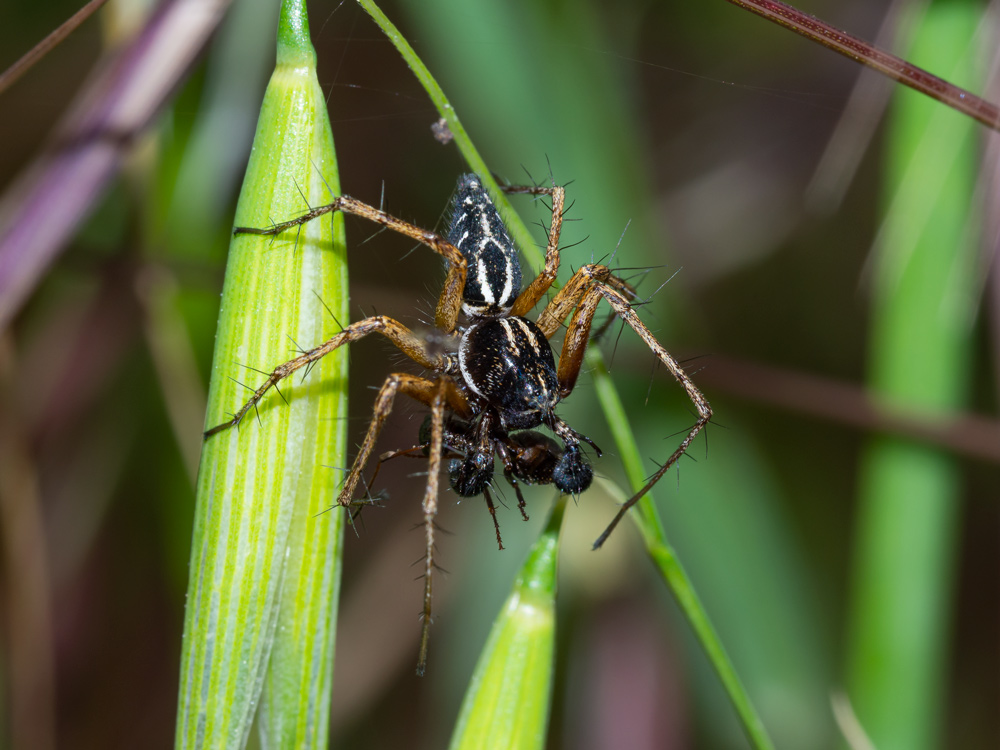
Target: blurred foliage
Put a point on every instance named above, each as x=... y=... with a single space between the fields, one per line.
x=696 y=126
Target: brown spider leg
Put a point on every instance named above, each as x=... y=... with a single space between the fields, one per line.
x=508 y=473
x=493 y=513
x=575 y=344
x=420 y=389
x=429 y=506
x=527 y=299
x=388 y=456
x=396 y=332
x=568 y=298
x=450 y=301
x=521 y=505
x=436 y=394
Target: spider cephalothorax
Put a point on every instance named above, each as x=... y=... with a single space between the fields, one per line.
x=504 y=381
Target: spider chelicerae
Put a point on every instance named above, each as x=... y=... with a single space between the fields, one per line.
x=499 y=380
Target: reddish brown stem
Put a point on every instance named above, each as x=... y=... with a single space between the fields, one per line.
x=894 y=67
x=45 y=46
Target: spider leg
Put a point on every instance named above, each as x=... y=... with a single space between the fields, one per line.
x=540 y=285
x=450 y=301
x=437 y=394
x=417 y=451
x=568 y=298
x=508 y=472
x=420 y=389
x=512 y=480
x=429 y=507
x=597 y=283
x=396 y=332
x=493 y=513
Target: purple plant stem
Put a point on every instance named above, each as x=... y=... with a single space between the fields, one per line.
x=40 y=50
x=860 y=51
x=44 y=206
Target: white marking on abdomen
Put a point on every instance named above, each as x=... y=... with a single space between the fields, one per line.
x=463 y=348
x=484 y=282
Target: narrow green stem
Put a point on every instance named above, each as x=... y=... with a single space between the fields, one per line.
x=647 y=518
x=475 y=161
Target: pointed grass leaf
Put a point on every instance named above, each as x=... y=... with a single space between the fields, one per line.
x=264 y=574
x=508 y=700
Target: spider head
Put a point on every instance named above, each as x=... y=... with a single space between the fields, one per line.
x=494 y=277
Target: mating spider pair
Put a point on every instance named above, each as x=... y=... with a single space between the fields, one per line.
x=499 y=380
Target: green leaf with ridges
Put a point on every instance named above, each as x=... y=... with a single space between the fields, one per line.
x=265 y=557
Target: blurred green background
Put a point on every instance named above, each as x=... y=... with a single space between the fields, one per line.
x=698 y=131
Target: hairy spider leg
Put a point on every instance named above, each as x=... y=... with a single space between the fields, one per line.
x=420 y=389
x=493 y=514
x=551 y=318
x=527 y=300
x=450 y=301
x=429 y=507
x=437 y=394
x=586 y=289
x=396 y=332
x=505 y=453
x=416 y=451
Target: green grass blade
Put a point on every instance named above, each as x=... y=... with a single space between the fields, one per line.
x=476 y=163
x=925 y=295
x=508 y=700
x=264 y=565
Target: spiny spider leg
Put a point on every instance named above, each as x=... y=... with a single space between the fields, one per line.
x=417 y=451
x=393 y=330
x=595 y=283
x=540 y=285
x=436 y=394
x=512 y=481
x=429 y=507
x=493 y=513
x=566 y=299
x=420 y=389
x=450 y=301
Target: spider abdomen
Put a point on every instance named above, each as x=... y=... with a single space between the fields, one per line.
x=508 y=362
x=494 y=278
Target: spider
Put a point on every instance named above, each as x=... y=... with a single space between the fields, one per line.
x=499 y=379
x=527 y=455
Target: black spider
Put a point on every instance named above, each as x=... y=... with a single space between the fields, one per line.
x=500 y=379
